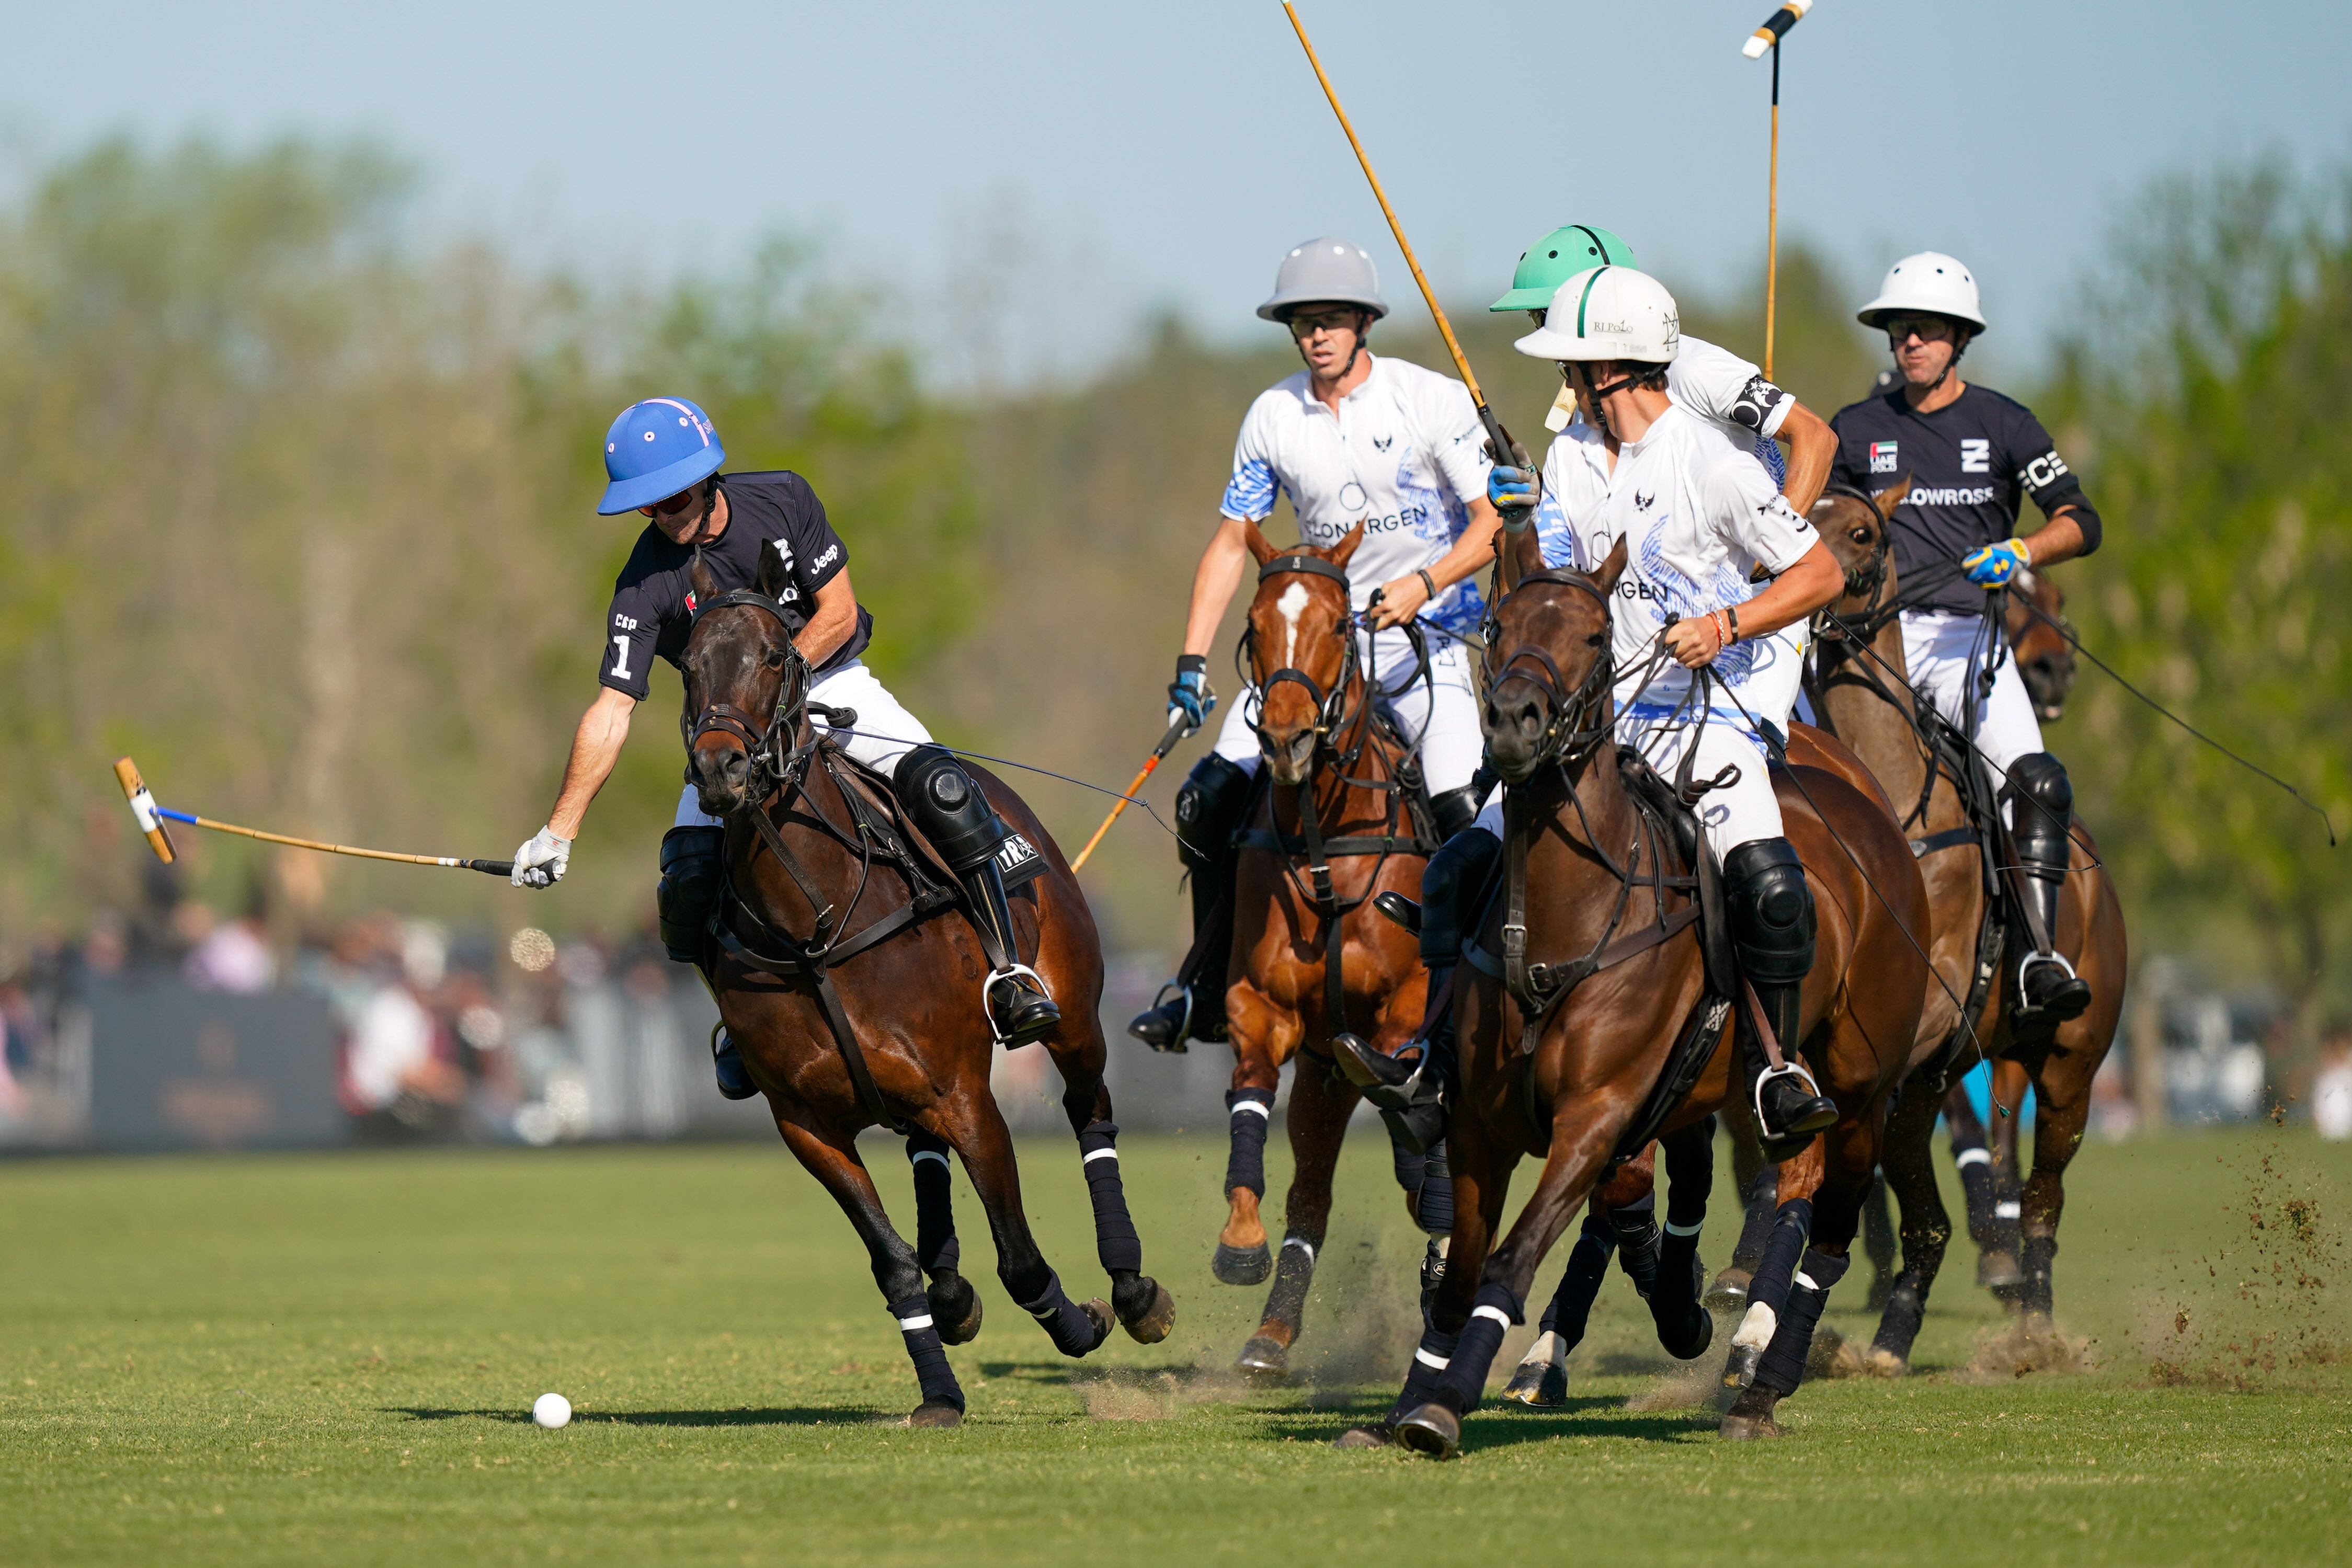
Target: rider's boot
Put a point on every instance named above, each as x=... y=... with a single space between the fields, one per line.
x=980 y=848
x=1772 y=929
x=693 y=863
x=2050 y=990
x=1209 y=810
x=1410 y=1089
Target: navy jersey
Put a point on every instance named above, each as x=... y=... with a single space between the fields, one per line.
x=1970 y=465
x=652 y=603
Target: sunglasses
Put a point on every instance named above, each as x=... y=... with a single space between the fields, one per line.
x=1926 y=328
x=1305 y=326
x=675 y=505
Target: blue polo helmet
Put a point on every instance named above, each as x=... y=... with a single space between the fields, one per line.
x=656 y=449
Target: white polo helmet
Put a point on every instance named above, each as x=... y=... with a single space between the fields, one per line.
x=1929 y=282
x=1325 y=271
x=1608 y=313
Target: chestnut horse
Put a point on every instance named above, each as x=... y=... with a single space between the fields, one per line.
x=850 y=977
x=1333 y=829
x=1861 y=696
x=1582 y=1056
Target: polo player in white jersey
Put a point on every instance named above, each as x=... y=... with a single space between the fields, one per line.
x=1351 y=439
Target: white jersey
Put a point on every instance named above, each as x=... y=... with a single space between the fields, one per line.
x=1697 y=519
x=1730 y=395
x=1405 y=456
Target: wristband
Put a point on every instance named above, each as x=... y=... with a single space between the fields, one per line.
x=1427 y=582
x=1731 y=613
x=1722 y=632
x=1191 y=665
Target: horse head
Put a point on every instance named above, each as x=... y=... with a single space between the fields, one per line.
x=1547 y=659
x=2045 y=660
x=746 y=689
x=1302 y=650
x=1854 y=528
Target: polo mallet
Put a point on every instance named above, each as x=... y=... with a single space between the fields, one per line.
x=1176 y=732
x=1768 y=36
x=1506 y=451
x=151 y=817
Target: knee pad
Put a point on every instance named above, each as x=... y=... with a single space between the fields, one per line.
x=1452 y=879
x=693 y=863
x=1772 y=921
x=1455 y=809
x=946 y=805
x=2044 y=796
x=1209 y=806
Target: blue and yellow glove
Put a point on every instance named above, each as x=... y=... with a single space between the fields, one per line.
x=1994 y=565
x=1189 y=694
x=1512 y=489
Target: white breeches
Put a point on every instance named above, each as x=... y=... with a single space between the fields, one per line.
x=884 y=733
x=1936 y=650
x=1777 y=675
x=1737 y=811
x=1443 y=715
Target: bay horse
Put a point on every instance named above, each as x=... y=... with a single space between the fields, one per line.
x=1623 y=1033
x=1860 y=694
x=847 y=973
x=2038 y=632
x=1311 y=957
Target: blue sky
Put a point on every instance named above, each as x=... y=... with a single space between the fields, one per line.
x=1034 y=176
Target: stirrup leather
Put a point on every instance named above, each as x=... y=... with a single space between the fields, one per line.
x=988 y=985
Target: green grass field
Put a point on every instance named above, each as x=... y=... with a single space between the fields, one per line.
x=314 y=1359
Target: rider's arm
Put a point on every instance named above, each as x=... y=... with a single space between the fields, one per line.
x=2074 y=526
x=834 y=621
x=1403 y=600
x=595 y=748
x=1813 y=581
x=1813 y=449
x=1214 y=582
x=2060 y=538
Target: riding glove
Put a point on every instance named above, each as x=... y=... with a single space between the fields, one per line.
x=1994 y=565
x=1514 y=489
x=1189 y=695
x=543 y=860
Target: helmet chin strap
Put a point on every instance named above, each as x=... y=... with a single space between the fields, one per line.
x=1961 y=336
x=1596 y=397
x=1363 y=327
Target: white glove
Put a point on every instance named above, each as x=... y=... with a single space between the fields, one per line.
x=543 y=860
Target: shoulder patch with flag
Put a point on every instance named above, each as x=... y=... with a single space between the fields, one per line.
x=1882 y=457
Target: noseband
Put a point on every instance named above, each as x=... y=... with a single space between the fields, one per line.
x=768 y=769
x=1867 y=581
x=1330 y=719
x=1580 y=720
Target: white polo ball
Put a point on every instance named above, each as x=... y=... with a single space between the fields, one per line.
x=552 y=1410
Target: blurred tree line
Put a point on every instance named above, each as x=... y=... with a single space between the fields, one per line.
x=302 y=517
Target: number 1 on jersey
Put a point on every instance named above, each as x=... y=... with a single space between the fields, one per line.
x=621 y=658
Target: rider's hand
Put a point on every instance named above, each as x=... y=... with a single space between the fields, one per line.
x=1514 y=489
x=543 y=860
x=1189 y=696
x=1694 y=642
x=1994 y=565
x=1397 y=602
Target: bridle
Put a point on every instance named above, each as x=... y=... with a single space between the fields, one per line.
x=769 y=771
x=1331 y=719
x=1580 y=719
x=1867 y=581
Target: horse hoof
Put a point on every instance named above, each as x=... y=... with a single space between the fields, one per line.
x=955 y=1311
x=1380 y=1436
x=1697 y=1336
x=1099 y=1313
x=1538 y=1386
x=1241 y=1266
x=1151 y=1325
x=934 y=1413
x=1998 y=1271
x=1750 y=1416
x=1739 y=1371
x=1263 y=1361
x=1729 y=1292
x=1431 y=1431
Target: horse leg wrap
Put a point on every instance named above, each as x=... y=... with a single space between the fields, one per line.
x=1756 y=1221
x=937 y=1379
x=1975 y=1164
x=2001 y=1235
x=1248 y=1112
x=1588 y=1265
x=1768 y=1293
x=1115 y=1242
x=1294 y=1270
x=1064 y=1321
x=1690 y=1180
x=1433 y=1209
x=935 y=1249
x=2037 y=1256
x=1783 y=1366
x=1906 y=1307
x=1411 y=1165
x=1430 y=1358
x=1492 y=1313
x=1636 y=1224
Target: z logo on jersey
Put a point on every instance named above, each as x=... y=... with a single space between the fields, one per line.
x=1976 y=456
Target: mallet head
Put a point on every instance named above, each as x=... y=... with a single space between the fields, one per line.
x=143 y=806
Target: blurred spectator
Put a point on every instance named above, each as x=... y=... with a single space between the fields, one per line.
x=398 y=1078
x=2331 y=1091
x=232 y=956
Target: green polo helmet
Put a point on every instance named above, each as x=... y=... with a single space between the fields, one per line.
x=1557 y=258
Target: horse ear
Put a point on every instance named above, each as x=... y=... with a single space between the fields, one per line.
x=1257 y=543
x=774 y=575
x=1346 y=547
x=1612 y=569
x=1521 y=553
x=698 y=578
x=1893 y=496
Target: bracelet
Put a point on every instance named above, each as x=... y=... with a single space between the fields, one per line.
x=1732 y=612
x=1722 y=633
x=1427 y=582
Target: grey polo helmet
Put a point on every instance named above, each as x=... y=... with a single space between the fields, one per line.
x=1325 y=271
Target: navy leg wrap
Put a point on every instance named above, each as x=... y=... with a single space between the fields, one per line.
x=1690 y=1179
x=1072 y=1332
x=1636 y=1224
x=1115 y=1242
x=2037 y=1256
x=1783 y=1366
x=1977 y=1187
x=1776 y=1271
x=935 y=1249
x=937 y=1379
x=1756 y=1223
x=1433 y=1209
x=1588 y=1265
x=1294 y=1270
x=1430 y=1360
x=1410 y=1165
x=1248 y=1112
x=1492 y=1313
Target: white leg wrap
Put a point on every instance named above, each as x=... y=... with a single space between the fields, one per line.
x=1756 y=1330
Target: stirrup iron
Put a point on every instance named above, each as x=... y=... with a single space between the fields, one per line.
x=1791 y=1068
x=988 y=984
